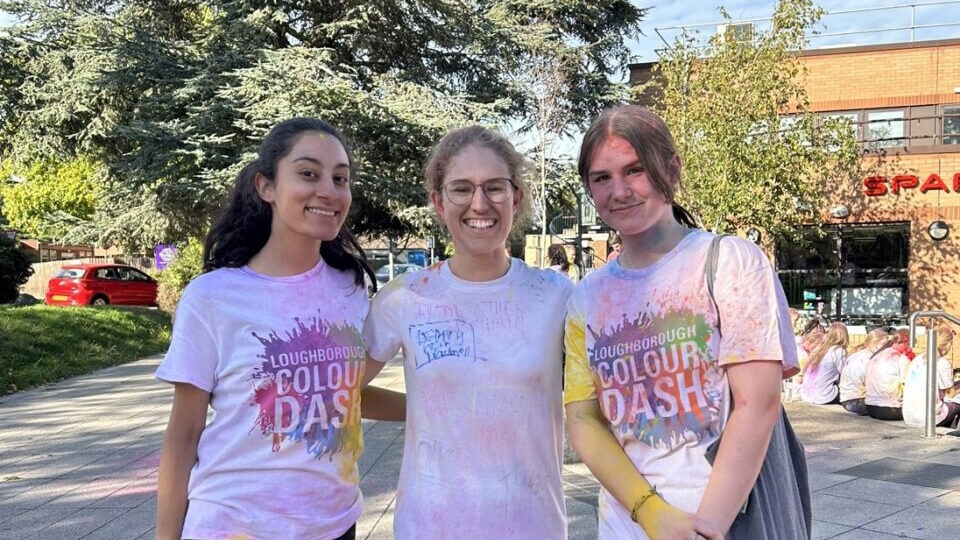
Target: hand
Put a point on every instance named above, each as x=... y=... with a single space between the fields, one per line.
x=662 y=521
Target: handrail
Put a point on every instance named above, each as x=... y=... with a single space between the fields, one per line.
x=930 y=424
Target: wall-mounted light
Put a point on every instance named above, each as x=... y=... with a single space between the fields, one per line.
x=938 y=230
x=840 y=211
x=753 y=235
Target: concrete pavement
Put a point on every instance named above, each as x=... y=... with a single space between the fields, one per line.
x=78 y=459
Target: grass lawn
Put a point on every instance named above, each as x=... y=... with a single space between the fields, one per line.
x=42 y=344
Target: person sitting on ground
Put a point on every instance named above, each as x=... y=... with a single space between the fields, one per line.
x=853 y=377
x=615 y=244
x=914 y=390
x=903 y=343
x=821 y=374
x=558 y=259
x=810 y=338
x=886 y=372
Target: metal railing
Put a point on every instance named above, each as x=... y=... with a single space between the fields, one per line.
x=824 y=36
x=930 y=424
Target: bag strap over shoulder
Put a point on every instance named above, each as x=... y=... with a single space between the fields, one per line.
x=710 y=269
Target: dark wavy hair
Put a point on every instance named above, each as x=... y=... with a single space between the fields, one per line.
x=650 y=138
x=244 y=226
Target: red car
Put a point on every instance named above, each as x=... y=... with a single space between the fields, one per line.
x=101 y=284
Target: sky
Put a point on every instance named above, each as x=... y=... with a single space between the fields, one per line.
x=665 y=14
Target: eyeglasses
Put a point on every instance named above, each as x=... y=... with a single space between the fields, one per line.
x=496 y=190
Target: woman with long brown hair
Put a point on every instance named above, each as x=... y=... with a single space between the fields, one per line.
x=651 y=377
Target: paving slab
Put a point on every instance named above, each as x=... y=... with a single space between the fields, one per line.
x=935 y=519
x=822 y=530
x=892 y=493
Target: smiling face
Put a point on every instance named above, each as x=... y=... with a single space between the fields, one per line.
x=478 y=226
x=310 y=194
x=626 y=198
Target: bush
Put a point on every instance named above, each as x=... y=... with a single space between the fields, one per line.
x=15 y=270
x=174 y=278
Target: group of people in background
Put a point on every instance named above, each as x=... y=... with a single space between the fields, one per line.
x=880 y=377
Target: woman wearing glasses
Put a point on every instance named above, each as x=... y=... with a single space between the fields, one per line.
x=481 y=335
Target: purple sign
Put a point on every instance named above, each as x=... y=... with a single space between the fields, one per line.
x=164 y=255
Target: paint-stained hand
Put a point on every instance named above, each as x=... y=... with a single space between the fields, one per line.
x=661 y=521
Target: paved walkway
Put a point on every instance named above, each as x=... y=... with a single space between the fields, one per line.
x=79 y=459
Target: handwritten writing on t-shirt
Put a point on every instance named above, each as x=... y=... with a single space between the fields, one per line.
x=443 y=340
x=307 y=387
x=653 y=376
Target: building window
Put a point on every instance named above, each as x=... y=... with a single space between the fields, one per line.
x=853 y=273
x=951 y=124
x=884 y=129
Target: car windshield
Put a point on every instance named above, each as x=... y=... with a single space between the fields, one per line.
x=70 y=273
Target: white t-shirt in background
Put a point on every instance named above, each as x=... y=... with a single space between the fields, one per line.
x=853 y=378
x=886 y=373
x=282 y=359
x=915 y=395
x=820 y=383
x=484 y=429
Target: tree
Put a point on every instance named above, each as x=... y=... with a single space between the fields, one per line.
x=15 y=270
x=753 y=153
x=48 y=194
x=565 y=73
x=172 y=96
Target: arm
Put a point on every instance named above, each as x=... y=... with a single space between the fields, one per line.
x=755 y=387
x=187 y=420
x=602 y=454
x=379 y=403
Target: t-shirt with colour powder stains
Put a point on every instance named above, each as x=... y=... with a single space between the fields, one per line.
x=282 y=359
x=644 y=343
x=484 y=430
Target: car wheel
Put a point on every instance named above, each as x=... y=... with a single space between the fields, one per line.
x=99 y=301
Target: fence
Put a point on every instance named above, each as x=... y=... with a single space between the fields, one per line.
x=36 y=286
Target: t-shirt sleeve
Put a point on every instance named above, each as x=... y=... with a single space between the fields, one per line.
x=193 y=355
x=381 y=329
x=754 y=315
x=944 y=374
x=578 y=382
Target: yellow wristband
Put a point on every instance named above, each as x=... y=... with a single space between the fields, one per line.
x=640 y=502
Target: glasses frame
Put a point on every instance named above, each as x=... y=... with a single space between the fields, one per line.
x=473 y=191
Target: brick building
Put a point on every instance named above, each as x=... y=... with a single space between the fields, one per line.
x=878 y=261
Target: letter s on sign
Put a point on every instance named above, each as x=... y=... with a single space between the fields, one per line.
x=874 y=186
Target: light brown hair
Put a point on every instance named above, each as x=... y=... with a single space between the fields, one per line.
x=836 y=336
x=456 y=140
x=944 y=339
x=651 y=140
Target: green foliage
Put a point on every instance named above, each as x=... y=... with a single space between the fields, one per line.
x=15 y=270
x=745 y=163
x=174 y=278
x=173 y=97
x=43 y=344
x=50 y=195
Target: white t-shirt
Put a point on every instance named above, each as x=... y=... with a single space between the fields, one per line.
x=282 y=359
x=853 y=377
x=484 y=430
x=886 y=372
x=820 y=383
x=645 y=344
x=915 y=394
